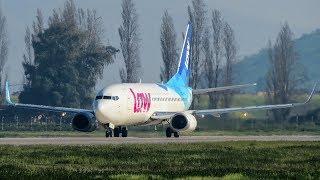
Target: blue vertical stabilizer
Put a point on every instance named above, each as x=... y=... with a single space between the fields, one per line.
x=181 y=78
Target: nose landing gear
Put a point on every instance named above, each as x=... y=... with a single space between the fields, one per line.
x=116 y=132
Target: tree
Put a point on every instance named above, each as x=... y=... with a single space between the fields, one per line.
x=284 y=73
x=197 y=17
x=28 y=56
x=230 y=52
x=3 y=44
x=130 y=43
x=168 y=48
x=69 y=57
x=213 y=55
x=209 y=64
x=38 y=25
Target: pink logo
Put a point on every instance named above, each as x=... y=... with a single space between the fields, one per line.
x=142 y=102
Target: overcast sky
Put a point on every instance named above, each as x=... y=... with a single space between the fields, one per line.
x=254 y=23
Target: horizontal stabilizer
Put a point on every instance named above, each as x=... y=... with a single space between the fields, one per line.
x=217 y=89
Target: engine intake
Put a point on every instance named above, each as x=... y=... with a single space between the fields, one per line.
x=183 y=122
x=85 y=122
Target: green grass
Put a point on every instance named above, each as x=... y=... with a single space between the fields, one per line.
x=230 y=160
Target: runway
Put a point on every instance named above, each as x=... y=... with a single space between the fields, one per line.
x=136 y=140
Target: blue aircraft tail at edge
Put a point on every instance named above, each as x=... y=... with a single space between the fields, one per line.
x=181 y=78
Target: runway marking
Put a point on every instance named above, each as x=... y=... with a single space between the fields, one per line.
x=136 y=140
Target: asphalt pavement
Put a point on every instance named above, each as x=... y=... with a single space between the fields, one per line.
x=136 y=140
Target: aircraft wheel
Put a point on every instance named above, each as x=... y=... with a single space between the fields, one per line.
x=116 y=131
x=124 y=132
x=176 y=134
x=108 y=132
x=168 y=132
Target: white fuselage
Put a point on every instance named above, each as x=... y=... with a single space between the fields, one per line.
x=134 y=104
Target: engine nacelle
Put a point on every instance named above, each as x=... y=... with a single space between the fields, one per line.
x=85 y=122
x=183 y=122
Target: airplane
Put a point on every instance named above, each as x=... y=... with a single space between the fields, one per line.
x=131 y=104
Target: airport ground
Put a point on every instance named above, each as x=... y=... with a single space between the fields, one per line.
x=292 y=154
x=155 y=134
x=228 y=160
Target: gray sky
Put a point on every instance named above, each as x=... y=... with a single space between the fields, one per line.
x=254 y=23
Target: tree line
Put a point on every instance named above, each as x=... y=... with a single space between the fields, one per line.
x=65 y=55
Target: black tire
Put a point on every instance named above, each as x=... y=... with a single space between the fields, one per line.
x=168 y=132
x=108 y=132
x=176 y=134
x=116 y=132
x=124 y=132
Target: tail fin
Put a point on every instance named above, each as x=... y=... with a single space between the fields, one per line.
x=8 y=99
x=181 y=78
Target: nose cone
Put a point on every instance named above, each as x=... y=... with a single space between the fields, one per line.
x=100 y=111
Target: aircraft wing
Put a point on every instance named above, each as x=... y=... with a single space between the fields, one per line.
x=218 y=112
x=208 y=90
x=48 y=108
x=9 y=103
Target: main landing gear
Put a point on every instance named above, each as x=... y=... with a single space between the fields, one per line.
x=170 y=131
x=117 y=131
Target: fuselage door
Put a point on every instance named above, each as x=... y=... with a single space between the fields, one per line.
x=129 y=103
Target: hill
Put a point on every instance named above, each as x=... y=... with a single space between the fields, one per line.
x=254 y=68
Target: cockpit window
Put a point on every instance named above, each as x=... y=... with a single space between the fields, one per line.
x=106 y=97
x=98 y=97
x=115 y=98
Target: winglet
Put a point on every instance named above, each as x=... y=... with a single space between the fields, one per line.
x=8 y=99
x=311 y=94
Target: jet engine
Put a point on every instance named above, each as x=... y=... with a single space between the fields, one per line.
x=183 y=122
x=85 y=122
